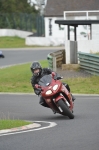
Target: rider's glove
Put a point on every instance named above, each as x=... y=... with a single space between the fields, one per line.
x=39 y=92
x=55 y=77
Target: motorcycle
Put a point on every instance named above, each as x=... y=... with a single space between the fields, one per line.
x=56 y=95
x=1 y=54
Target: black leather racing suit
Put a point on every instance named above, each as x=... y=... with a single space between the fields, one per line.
x=35 y=80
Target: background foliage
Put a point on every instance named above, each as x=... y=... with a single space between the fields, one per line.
x=16 y=14
x=16 y=6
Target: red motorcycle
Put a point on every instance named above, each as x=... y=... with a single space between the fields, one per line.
x=56 y=95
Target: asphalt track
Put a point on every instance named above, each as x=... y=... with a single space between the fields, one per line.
x=78 y=134
x=19 y=56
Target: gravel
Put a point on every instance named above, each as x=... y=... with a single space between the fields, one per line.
x=73 y=73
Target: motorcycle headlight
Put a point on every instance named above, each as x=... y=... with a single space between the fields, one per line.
x=55 y=87
x=48 y=92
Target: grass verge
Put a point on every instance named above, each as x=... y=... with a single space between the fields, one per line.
x=88 y=85
x=8 y=124
x=17 y=78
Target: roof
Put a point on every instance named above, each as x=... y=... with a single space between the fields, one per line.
x=56 y=7
x=77 y=22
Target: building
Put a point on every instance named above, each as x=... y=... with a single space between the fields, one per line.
x=55 y=34
x=87 y=36
x=55 y=10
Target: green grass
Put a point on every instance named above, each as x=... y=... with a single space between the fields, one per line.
x=89 y=85
x=17 y=79
x=8 y=124
x=12 y=42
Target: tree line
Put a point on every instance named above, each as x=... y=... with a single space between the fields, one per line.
x=16 y=6
x=20 y=14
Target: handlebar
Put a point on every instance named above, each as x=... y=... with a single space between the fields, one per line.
x=38 y=86
x=55 y=76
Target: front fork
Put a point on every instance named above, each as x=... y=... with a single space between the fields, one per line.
x=70 y=105
x=51 y=104
x=57 y=99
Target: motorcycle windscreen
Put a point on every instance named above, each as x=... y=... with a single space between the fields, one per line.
x=45 y=80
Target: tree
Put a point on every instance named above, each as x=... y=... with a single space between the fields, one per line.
x=12 y=6
x=17 y=14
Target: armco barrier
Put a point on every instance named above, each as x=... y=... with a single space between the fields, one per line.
x=89 y=62
x=56 y=59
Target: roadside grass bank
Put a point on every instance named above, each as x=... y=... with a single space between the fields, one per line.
x=8 y=124
x=16 y=79
x=88 y=85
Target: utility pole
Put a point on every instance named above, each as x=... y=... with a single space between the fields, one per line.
x=41 y=4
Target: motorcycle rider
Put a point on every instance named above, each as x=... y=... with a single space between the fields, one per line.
x=39 y=72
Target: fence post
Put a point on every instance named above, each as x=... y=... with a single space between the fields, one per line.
x=54 y=63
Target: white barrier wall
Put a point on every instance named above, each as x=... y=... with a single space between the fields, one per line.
x=43 y=41
x=89 y=46
x=13 y=32
x=72 y=47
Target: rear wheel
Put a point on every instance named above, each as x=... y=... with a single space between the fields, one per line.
x=65 y=109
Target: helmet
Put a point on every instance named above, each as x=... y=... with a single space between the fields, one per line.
x=34 y=66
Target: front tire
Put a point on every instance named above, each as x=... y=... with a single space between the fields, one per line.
x=65 y=109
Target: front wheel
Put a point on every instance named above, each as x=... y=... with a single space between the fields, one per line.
x=65 y=109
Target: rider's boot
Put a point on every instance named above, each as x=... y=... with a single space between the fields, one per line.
x=73 y=98
x=53 y=111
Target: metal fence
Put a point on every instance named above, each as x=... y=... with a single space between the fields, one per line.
x=23 y=21
x=89 y=62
